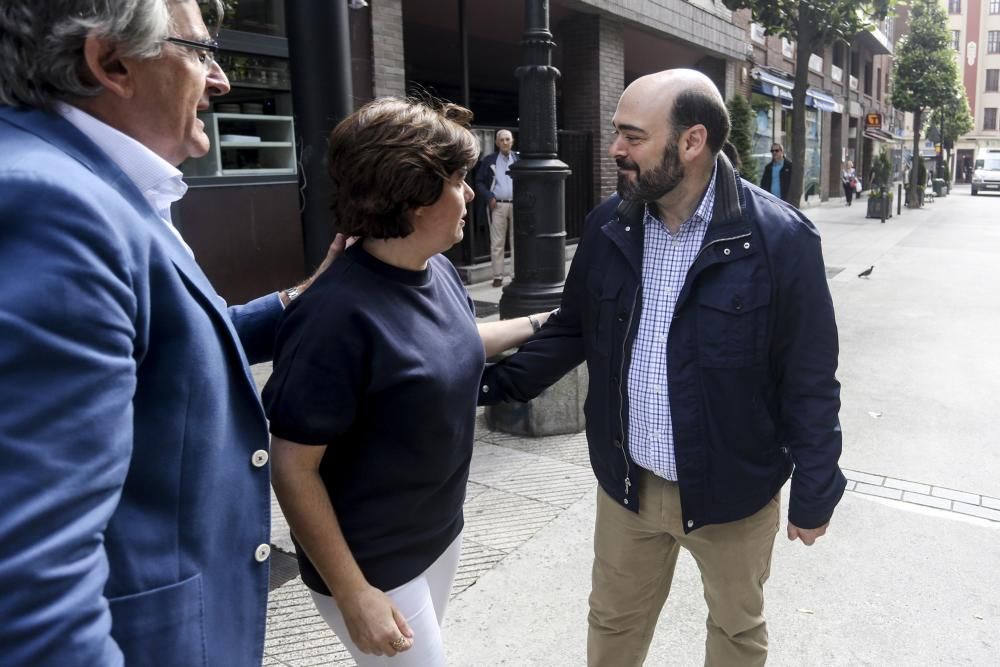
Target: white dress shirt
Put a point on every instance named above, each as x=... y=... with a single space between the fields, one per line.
x=160 y=183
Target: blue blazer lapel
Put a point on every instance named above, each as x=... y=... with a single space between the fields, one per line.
x=63 y=135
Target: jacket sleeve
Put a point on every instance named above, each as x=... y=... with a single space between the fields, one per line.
x=804 y=359
x=554 y=351
x=484 y=180
x=67 y=359
x=256 y=324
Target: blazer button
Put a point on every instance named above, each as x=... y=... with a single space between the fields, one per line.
x=259 y=458
x=690 y=523
x=618 y=443
x=622 y=316
x=614 y=379
x=262 y=553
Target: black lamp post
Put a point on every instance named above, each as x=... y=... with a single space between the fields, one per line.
x=322 y=96
x=539 y=177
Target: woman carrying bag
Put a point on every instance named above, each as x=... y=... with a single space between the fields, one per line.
x=849 y=180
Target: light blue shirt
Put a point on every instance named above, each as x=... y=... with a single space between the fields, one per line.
x=776 y=178
x=503 y=186
x=666 y=259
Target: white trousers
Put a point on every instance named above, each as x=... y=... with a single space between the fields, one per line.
x=501 y=230
x=422 y=601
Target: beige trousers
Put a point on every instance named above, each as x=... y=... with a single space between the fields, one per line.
x=634 y=558
x=501 y=230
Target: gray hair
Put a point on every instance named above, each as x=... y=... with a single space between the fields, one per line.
x=41 y=43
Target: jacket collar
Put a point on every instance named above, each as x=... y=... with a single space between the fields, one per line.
x=626 y=228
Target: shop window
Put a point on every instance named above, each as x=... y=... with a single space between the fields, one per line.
x=990 y=119
x=265 y=17
x=992 y=80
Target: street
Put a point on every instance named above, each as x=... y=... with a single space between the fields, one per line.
x=907 y=573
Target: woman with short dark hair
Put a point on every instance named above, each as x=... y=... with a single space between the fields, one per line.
x=373 y=398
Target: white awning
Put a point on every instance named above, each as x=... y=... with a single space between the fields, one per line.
x=823 y=101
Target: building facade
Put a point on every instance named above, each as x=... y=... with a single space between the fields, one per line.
x=242 y=213
x=848 y=115
x=975 y=31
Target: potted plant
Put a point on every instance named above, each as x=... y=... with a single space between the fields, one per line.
x=880 y=197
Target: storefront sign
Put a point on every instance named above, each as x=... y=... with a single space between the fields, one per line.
x=873 y=120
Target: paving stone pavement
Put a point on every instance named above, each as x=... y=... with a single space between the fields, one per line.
x=517 y=486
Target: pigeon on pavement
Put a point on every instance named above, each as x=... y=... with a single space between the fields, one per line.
x=867 y=272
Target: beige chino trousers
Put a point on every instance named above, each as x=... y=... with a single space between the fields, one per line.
x=634 y=559
x=501 y=232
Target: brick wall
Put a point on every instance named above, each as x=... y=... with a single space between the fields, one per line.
x=593 y=78
x=388 y=63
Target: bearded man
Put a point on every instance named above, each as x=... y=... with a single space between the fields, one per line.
x=701 y=307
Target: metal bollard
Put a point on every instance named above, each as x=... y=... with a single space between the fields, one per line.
x=899 y=199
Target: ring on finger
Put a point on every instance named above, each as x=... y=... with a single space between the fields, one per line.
x=398 y=644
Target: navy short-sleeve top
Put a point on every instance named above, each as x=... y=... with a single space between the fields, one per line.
x=382 y=365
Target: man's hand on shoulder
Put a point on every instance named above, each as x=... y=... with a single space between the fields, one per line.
x=807 y=535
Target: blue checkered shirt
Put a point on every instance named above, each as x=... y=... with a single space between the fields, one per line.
x=666 y=259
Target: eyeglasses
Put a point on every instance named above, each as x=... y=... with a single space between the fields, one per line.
x=775 y=150
x=206 y=51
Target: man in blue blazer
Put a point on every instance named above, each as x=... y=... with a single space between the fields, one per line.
x=134 y=487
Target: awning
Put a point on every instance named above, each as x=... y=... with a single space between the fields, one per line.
x=781 y=87
x=774 y=85
x=881 y=135
x=823 y=101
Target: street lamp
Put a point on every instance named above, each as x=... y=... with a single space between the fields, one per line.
x=539 y=177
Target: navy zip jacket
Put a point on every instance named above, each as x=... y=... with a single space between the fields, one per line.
x=752 y=356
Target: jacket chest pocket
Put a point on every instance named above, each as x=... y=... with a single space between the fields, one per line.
x=732 y=325
x=604 y=310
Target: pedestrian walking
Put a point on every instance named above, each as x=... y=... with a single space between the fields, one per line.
x=849 y=181
x=701 y=307
x=777 y=176
x=372 y=403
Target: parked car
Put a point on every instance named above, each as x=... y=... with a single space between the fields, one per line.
x=986 y=174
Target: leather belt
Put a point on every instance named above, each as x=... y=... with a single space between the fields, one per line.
x=504 y=201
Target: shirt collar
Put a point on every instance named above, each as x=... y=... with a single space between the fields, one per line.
x=160 y=183
x=702 y=214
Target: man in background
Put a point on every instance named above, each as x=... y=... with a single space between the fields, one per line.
x=777 y=174
x=495 y=189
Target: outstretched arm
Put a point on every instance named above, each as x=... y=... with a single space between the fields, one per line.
x=505 y=334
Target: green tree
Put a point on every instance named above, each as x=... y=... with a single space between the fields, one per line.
x=957 y=120
x=741 y=118
x=924 y=72
x=813 y=25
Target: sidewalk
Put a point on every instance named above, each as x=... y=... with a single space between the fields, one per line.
x=906 y=576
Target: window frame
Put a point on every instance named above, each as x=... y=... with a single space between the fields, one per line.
x=989 y=114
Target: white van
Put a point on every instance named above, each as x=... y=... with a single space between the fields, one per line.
x=987 y=171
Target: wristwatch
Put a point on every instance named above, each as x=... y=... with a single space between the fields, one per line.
x=292 y=294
